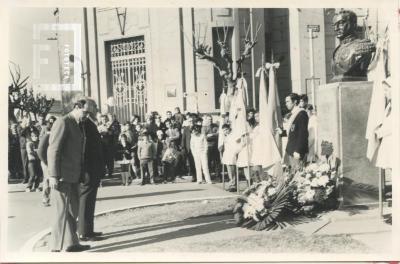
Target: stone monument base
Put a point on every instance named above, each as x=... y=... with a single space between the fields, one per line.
x=342 y=110
x=344 y=78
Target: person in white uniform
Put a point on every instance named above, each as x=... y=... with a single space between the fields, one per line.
x=199 y=148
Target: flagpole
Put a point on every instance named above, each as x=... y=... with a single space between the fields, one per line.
x=223 y=171
x=253 y=80
x=247 y=137
x=237 y=179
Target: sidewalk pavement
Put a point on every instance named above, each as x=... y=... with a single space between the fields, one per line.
x=27 y=216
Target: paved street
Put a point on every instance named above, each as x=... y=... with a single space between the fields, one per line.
x=27 y=216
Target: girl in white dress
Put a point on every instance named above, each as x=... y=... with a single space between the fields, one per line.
x=312 y=133
x=229 y=157
x=257 y=150
x=244 y=156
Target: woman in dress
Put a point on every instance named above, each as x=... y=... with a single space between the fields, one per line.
x=230 y=151
x=312 y=133
x=244 y=156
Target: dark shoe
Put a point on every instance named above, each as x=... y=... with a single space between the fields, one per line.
x=77 y=248
x=90 y=238
x=232 y=189
x=96 y=234
x=55 y=250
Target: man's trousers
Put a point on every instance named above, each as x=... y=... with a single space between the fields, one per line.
x=87 y=203
x=66 y=196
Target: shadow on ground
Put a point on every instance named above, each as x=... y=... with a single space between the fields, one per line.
x=146 y=194
x=355 y=209
x=15 y=181
x=201 y=225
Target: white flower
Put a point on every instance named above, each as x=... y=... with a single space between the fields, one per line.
x=300 y=182
x=323 y=180
x=309 y=195
x=247 y=211
x=271 y=191
x=302 y=199
x=318 y=174
x=324 y=167
x=256 y=202
x=307 y=182
x=314 y=182
x=252 y=197
x=312 y=167
x=267 y=182
x=308 y=176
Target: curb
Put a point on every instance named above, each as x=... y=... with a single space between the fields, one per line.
x=30 y=244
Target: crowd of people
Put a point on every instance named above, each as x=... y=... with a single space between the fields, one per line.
x=155 y=150
x=160 y=149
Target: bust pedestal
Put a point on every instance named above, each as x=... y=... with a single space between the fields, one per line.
x=342 y=110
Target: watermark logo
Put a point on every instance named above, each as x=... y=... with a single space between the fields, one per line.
x=57 y=61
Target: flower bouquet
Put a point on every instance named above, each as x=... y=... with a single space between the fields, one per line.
x=314 y=188
x=262 y=206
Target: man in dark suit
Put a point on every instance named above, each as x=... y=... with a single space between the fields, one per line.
x=65 y=160
x=186 y=135
x=94 y=171
x=297 y=145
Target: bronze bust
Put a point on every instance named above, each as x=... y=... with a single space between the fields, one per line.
x=351 y=58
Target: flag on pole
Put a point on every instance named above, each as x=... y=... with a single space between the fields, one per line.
x=274 y=106
x=266 y=152
x=237 y=115
x=377 y=106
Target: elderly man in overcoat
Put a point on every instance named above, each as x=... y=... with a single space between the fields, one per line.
x=94 y=171
x=65 y=169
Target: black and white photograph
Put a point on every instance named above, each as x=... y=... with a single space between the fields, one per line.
x=194 y=131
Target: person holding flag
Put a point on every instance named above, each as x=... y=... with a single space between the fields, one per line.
x=241 y=130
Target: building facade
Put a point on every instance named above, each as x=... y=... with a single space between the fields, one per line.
x=137 y=60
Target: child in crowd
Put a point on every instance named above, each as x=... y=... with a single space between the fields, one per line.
x=34 y=169
x=178 y=117
x=124 y=157
x=257 y=155
x=161 y=146
x=170 y=159
x=135 y=164
x=147 y=154
x=230 y=150
x=42 y=153
x=244 y=156
x=126 y=130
